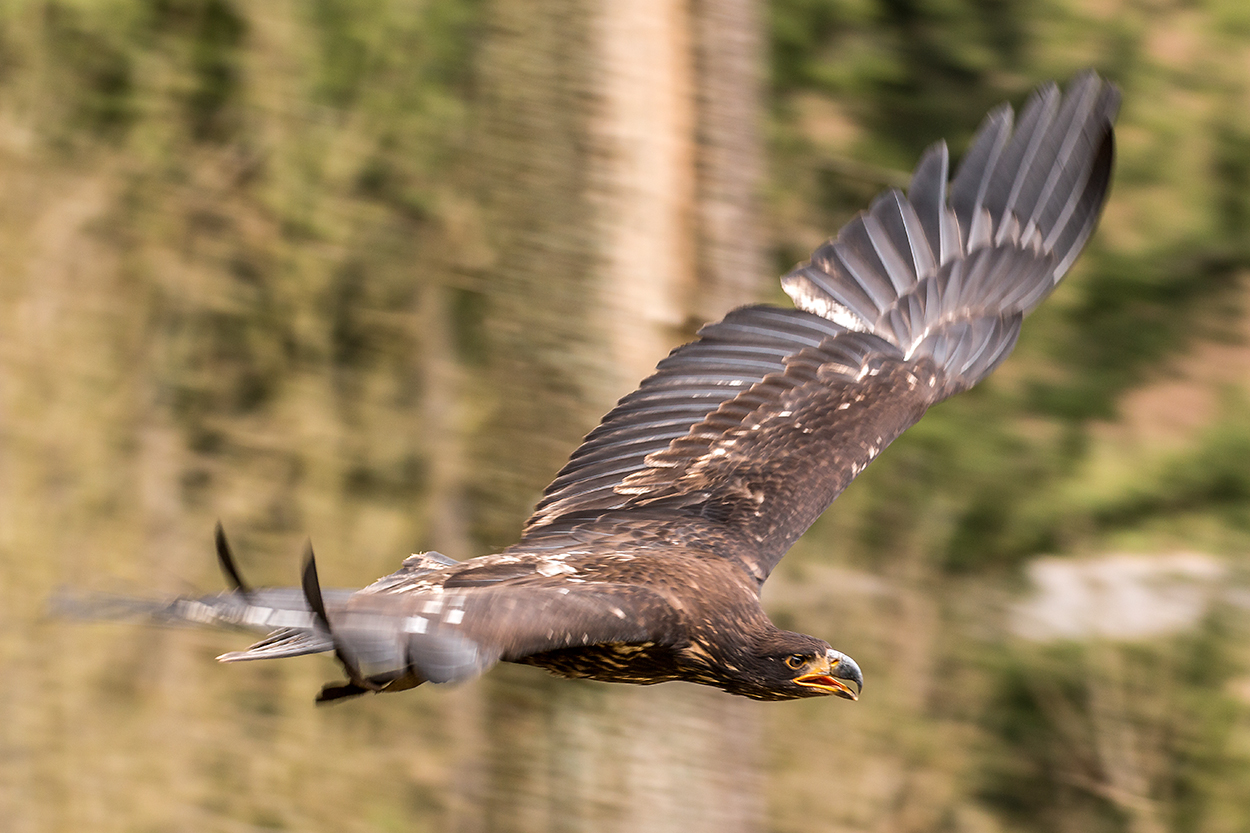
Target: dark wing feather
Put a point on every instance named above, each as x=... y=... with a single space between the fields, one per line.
x=452 y=625
x=726 y=365
x=458 y=632
x=769 y=452
x=765 y=473
x=557 y=616
x=743 y=437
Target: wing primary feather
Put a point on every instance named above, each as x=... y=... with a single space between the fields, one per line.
x=1013 y=166
x=1052 y=167
x=812 y=289
x=312 y=588
x=886 y=229
x=972 y=178
x=858 y=258
x=1086 y=209
x=927 y=193
x=225 y=559
x=925 y=258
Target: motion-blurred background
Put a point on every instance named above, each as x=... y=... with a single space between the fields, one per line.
x=366 y=270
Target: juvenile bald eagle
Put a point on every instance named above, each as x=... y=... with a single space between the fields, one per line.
x=644 y=559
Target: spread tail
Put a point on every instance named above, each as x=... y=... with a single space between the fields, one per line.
x=294 y=627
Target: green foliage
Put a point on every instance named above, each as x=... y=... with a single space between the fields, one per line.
x=96 y=67
x=215 y=41
x=1211 y=477
x=803 y=34
x=1231 y=175
x=345 y=53
x=915 y=70
x=1028 y=765
x=1134 y=311
x=1109 y=737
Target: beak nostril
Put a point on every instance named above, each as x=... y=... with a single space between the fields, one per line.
x=845 y=668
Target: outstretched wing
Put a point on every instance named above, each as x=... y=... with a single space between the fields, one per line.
x=464 y=628
x=745 y=436
x=447 y=625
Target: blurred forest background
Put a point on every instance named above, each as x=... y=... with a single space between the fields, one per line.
x=366 y=270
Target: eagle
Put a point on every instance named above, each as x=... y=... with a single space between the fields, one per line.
x=644 y=559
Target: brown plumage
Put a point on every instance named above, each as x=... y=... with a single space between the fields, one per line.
x=644 y=560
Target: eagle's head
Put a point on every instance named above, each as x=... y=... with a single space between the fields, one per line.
x=786 y=666
x=831 y=672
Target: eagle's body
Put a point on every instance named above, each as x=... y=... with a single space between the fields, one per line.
x=664 y=588
x=644 y=560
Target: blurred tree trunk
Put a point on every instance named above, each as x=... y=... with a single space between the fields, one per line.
x=620 y=157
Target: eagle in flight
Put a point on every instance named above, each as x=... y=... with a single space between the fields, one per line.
x=644 y=559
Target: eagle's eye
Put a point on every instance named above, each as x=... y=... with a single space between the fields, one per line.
x=796 y=661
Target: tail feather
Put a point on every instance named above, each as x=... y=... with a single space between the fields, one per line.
x=103 y=607
x=287 y=642
x=371 y=645
x=283 y=611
